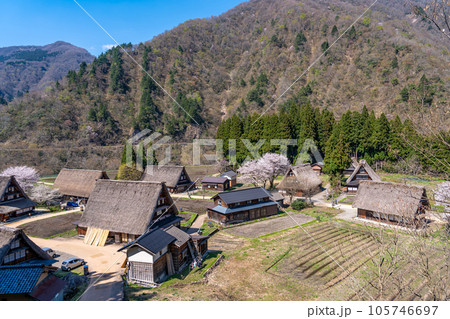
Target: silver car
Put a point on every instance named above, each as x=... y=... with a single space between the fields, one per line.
x=72 y=263
x=50 y=251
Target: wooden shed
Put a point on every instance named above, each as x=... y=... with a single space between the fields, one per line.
x=77 y=183
x=215 y=183
x=176 y=178
x=13 y=200
x=231 y=176
x=392 y=203
x=121 y=211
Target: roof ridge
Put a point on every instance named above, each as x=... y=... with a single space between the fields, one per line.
x=239 y=190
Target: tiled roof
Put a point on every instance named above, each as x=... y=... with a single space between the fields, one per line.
x=153 y=241
x=216 y=180
x=180 y=235
x=243 y=195
x=224 y=210
x=19 y=279
x=230 y=174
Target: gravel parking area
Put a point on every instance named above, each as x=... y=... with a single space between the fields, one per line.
x=269 y=226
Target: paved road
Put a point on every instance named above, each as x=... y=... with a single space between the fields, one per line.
x=197 y=224
x=102 y=261
x=39 y=216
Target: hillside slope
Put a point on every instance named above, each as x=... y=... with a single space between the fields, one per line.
x=29 y=68
x=240 y=62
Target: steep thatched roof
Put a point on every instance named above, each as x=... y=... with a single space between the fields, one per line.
x=362 y=163
x=78 y=182
x=16 y=204
x=165 y=173
x=9 y=234
x=390 y=198
x=304 y=178
x=123 y=206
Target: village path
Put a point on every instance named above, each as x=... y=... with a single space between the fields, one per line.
x=197 y=224
x=45 y=215
x=104 y=265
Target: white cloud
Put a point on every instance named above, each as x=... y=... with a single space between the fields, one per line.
x=108 y=46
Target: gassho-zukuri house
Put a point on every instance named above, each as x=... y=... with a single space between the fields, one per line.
x=242 y=205
x=121 y=211
x=392 y=203
x=176 y=178
x=160 y=253
x=13 y=200
x=77 y=183
x=299 y=180
x=362 y=172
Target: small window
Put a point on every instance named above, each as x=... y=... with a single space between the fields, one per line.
x=219 y=202
x=15 y=244
x=249 y=202
x=215 y=186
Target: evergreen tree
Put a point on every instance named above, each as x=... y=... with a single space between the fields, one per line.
x=117 y=81
x=300 y=39
x=338 y=154
x=334 y=31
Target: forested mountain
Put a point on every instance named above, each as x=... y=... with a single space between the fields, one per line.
x=29 y=68
x=239 y=63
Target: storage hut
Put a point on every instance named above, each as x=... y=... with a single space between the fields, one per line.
x=176 y=178
x=231 y=176
x=215 y=183
x=317 y=167
x=392 y=203
x=13 y=200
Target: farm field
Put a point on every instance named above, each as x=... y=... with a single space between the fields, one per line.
x=338 y=264
x=52 y=226
x=191 y=205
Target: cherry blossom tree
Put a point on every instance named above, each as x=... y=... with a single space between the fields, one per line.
x=275 y=165
x=45 y=195
x=252 y=172
x=25 y=176
x=442 y=195
x=264 y=169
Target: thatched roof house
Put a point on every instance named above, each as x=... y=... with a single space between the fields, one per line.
x=124 y=210
x=176 y=178
x=391 y=202
x=16 y=247
x=300 y=180
x=13 y=200
x=362 y=172
x=78 y=182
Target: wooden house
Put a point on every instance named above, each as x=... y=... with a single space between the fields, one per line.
x=215 y=183
x=176 y=178
x=16 y=247
x=242 y=205
x=32 y=282
x=300 y=180
x=160 y=253
x=349 y=170
x=278 y=198
x=231 y=176
x=392 y=203
x=121 y=211
x=13 y=200
x=317 y=167
x=362 y=172
x=77 y=184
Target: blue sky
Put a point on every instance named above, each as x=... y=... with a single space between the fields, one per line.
x=40 y=22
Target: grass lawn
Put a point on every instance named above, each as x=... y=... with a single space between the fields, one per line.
x=347 y=200
x=325 y=213
x=208 y=227
x=188 y=223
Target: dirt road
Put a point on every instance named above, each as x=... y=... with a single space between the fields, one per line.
x=104 y=265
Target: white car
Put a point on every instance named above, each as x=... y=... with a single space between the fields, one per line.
x=72 y=263
x=50 y=252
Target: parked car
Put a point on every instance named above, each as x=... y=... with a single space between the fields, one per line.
x=72 y=204
x=72 y=263
x=50 y=251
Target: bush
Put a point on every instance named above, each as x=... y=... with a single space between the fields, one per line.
x=299 y=204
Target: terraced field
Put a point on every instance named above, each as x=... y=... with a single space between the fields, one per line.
x=339 y=256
